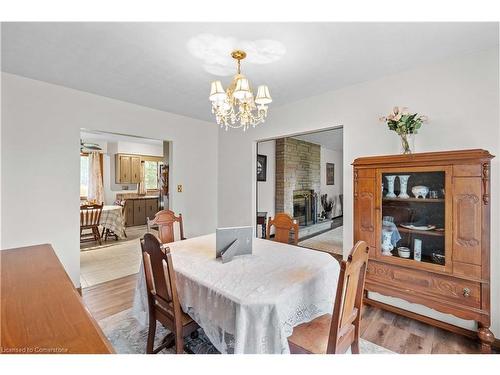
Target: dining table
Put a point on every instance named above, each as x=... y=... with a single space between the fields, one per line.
x=252 y=303
x=112 y=219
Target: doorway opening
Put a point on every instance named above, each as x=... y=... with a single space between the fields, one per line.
x=123 y=182
x=302 y=176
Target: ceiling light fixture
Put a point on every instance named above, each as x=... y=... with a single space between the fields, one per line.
x=236 y=107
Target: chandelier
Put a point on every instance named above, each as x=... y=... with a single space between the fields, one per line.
x=236 y=107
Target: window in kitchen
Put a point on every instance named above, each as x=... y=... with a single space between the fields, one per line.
x=151 y=174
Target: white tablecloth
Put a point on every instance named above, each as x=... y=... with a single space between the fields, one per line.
x=251 y=304
x=112 y=219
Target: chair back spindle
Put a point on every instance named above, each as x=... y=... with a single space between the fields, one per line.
x=90 y=215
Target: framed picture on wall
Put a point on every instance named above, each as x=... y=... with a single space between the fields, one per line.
x=261 y=167
x=330 y=174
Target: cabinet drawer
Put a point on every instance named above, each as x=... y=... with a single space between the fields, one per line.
x=422 y=282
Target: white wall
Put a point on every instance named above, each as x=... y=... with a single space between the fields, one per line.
x=459 y=95
x=41 y=126
x=139 y=148
x=333 y=191
x=266 y=192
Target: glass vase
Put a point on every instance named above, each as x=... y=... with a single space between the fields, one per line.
x=390 y=186
x=403 y=186
x=407 y=143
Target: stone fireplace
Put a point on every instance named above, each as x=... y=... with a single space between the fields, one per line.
x=297 y=179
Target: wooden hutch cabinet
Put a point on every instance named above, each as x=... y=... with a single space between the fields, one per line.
x=433 y=250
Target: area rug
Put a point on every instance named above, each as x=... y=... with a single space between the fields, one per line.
x=113 y=260
x=127 y=337
x=331 y=241
x=133 y=234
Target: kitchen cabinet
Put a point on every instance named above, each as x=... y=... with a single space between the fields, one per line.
x=137 y=210
x=127 y=169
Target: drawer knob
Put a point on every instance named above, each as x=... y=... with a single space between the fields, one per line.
x=466 y=292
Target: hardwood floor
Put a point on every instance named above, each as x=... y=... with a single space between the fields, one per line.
x=408 y=336
x=394 y=332
x=111 y=297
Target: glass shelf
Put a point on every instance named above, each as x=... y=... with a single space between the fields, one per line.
x=411 y=210
x=420 y=200
x=422 y=232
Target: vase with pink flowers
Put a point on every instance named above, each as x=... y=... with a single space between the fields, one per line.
x=405 y=125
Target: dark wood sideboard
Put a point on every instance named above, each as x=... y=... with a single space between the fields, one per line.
x=41 y=311
x=452 y=274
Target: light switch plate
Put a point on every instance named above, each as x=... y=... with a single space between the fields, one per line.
x=179 y=188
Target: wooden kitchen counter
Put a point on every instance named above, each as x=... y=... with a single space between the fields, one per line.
x=40 y=309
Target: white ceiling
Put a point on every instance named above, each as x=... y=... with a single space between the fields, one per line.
x=149 y=63
x=330 y=139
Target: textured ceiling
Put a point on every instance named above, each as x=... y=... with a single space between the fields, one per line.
x=149 y=63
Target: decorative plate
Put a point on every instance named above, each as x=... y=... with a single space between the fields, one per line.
x=418 y=227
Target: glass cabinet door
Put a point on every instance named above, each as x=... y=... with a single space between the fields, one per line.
x=414 y=216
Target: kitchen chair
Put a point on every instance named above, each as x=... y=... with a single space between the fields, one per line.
x=334 y=335
x=283 y=224
x=164 y=222
x=163 y=302
x=90 y=215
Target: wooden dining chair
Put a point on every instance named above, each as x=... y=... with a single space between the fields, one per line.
x=164 y=221
x=90 y=215
x=334 y=335
x=163 y=302
x=283 y=224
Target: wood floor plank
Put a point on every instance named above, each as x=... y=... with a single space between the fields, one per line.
x=413 y=326
x=449 y=343
x=111 y=297
x=418 y=344
x=386 y=316
x=367 y=315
